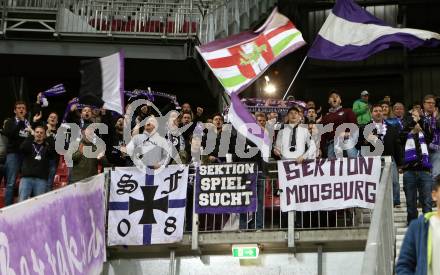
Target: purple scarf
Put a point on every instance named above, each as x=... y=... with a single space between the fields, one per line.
x=54 y=91
x=150 y=95
x=411 y=152
x=80 y=106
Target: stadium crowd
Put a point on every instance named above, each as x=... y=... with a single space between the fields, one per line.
x=410 y=135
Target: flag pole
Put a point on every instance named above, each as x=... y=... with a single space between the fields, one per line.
x=294 y=78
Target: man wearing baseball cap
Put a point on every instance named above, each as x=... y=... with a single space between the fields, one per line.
x=361 y=108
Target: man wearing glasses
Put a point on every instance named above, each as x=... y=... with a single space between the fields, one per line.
x=420 y=136
x=431 y=123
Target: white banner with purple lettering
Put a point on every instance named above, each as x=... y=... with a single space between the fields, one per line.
x=61 y=232
x=329 y=184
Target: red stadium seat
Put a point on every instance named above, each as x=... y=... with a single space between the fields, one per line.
x=154 y=25
x=98 y=24
x=118 y=25
x=170 y=26
x=130 y=26
x=186 y=27
x=62 y=175
x=271 y=200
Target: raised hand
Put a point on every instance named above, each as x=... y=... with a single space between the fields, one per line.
x=37 y=117
x=39 y=98
x=199 y=111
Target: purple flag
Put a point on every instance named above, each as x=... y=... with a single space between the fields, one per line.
x=350 y=33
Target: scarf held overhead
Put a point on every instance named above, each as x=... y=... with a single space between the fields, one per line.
x=411 y=154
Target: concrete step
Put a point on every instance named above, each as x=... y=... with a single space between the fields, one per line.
x=399 y=219
x=400 y=224
x=401 y=231
x=399 y=238
x=399 y=211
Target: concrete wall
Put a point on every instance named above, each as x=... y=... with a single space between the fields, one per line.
x=340 y=263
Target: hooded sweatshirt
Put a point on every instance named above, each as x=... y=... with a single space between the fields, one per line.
x=152 y=149
x=362 y=110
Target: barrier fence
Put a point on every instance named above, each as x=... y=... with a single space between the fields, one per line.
x=379 y=252
x=269 y=216
x=205 y=19
x=119 y=17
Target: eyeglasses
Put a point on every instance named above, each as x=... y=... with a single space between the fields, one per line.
x=429 y=102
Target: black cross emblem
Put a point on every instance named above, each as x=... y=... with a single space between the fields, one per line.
x=148 y=204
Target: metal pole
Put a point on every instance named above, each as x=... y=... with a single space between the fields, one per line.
x=294 y=78
x=172 y=260
x=291 y=231
x=319 y=259
x=21 y=90
x=195 y=223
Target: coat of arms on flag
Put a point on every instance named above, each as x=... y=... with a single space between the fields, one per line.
x=239 y=59
x=146 y=208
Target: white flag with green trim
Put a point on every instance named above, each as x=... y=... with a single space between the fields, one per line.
x=240 y=59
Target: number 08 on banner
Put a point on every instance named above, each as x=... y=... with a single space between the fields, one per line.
x=147 y=208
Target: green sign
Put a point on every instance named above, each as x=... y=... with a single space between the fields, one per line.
x=241 y=251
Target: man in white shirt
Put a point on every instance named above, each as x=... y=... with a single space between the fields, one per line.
x=294 y=139
x=149 y=148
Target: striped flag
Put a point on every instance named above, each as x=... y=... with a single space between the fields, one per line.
x=102 y=82
x=350 y=33
x=240 y=59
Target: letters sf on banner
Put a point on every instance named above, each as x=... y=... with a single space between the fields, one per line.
x=145 y=208
x=60 y=233
x=226 y=188
x=329 y=184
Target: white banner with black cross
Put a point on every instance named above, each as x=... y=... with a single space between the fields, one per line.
x=146 y=209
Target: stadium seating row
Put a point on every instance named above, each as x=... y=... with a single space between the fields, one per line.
x=137 y=26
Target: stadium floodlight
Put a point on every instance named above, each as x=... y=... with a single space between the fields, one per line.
x=270 y=89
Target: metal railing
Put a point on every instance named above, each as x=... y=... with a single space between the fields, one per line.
x=232 y=17
x=269 y=216
x=379 y=252
x=129 y=17
x=205 y=19
x=33 y=4
x=340 y=229
x=2 y=15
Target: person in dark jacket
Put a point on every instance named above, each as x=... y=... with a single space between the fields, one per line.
x=338 y=116
x=215 y=149
x=389 y=136
x=417 y=166
x=84 y=166
x=420 y=251
x=52 y=127
x=113 y=139
x=37 y=151
x=82 y=118
x=257 y=221
x=16 y=130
